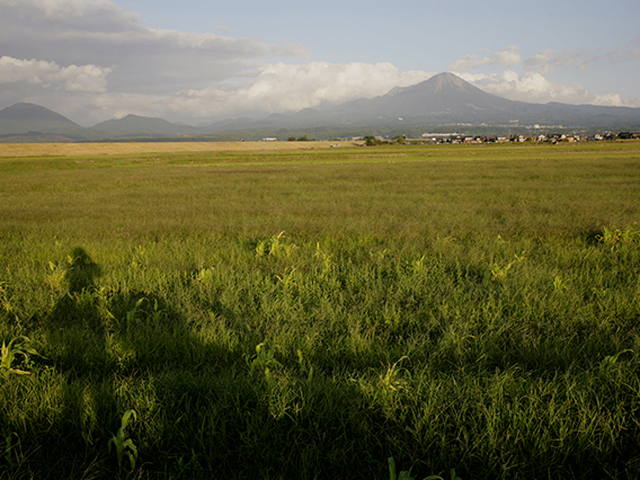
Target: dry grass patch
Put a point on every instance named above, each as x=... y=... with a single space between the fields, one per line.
x=124 y=148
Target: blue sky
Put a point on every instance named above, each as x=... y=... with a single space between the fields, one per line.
x=200 y=59
x=426 y=35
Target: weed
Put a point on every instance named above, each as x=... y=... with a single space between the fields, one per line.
x=275 y=246
x=5 y=302
x=264 y=360
x=288 y=278
x=499 y=272
x=610 y=362
x=56 y=275
x=17 y=348
x=205 y=276
x=12 y=449
x=419 y=264
x=123 y=445
x=390 y=381
x=325 y=259
x=616 y=236
x=406 y=475
x=558 y=284
x=393 y=475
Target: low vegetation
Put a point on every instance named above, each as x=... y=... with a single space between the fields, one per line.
x=158 y=146
x=467 y=311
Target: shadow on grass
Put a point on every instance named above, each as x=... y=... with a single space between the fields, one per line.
x=217 y=408
x=204 y=411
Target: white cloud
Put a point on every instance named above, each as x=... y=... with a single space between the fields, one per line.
x=530 y=83
x=67 y=8
x=508 y=57
x=72 y=78
x=86 y=15
x=609 y=99
x=277 y=87
x=284 y=87
x=143 y=59
x=535 y=87
x=550 y=59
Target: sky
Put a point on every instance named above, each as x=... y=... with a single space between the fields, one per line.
x=195 y=60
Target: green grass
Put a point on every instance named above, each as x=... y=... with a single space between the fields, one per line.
x=468 y=308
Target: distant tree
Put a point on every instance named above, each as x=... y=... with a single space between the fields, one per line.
x=371 y=141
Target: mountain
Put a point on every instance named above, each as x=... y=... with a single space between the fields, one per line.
x=446 y=98
x=442 y=96
x=23 y=118
x=137 y=126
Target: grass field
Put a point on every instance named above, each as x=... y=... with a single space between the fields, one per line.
x=128 y=148
x=289 y=313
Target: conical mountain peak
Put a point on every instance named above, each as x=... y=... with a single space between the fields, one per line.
x=447 y=80
x=441 y=83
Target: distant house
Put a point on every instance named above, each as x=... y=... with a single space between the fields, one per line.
x=441 y=137
x=269 y=139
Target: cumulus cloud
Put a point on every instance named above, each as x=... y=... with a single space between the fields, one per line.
x=527 y=79
x=104 y=24
x=284 y=87
x=277 y=87
x=142 y=58
x=83 y=15
x=609 y=99
x=508 y=57
x=72 y=78
x=535 y=87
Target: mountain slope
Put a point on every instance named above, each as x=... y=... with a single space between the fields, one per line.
x=137 y=126
x=23 y=118
x=442 y=94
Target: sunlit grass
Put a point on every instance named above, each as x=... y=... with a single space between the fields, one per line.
x=467 y=311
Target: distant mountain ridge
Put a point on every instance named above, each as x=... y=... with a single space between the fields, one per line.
x=441 y=100
x=23 y=118
x=138 y=126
